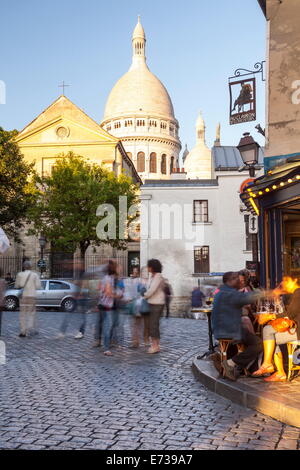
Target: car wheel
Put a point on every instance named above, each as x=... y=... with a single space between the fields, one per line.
x=11 y=303
x=68 y=305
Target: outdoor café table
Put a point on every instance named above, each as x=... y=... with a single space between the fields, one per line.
x=211 y=347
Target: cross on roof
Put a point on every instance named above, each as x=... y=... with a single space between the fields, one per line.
x=63 y=86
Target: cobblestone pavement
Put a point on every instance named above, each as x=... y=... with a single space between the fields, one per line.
x=63 y=394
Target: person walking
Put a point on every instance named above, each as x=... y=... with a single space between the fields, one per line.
x=2 y=293
x=107 y=306
x=168 y=297
x=140 y=321
x=155 y=295
x=29 y=282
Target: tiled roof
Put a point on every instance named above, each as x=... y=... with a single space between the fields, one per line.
x=180 y=182
x=230 y=158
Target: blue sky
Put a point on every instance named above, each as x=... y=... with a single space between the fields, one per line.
x=192 y=46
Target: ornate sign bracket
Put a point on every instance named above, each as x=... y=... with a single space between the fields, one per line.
x=259 y=68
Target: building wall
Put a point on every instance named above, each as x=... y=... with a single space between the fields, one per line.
x=224 y=233
x=283 y=86
x=46 y=155
x=149 y=140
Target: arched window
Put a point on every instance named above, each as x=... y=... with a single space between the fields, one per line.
x=153 y=166
x=163 y=166
x=172 y=165
x=141 y=162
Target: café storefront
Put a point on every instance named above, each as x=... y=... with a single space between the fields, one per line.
x=275 y=198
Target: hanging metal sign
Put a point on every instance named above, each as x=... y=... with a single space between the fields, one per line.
x=243 y=94
x=242 y=101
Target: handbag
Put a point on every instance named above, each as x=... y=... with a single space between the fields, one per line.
x=263 y=318
x=105 y=301
x=143 y=306
x=22 y=290
x=281 y=325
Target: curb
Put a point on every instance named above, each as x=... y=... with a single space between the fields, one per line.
x=268 y=402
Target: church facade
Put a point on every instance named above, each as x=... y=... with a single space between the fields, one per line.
x=63 y=127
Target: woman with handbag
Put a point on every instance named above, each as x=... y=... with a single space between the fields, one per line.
x=155 y=296
x=107 y=305
x=140 y=325
x=280 y=330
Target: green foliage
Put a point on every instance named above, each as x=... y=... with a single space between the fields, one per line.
x=15 y=188
x=66 y=202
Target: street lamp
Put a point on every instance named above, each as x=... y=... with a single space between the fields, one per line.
x=42 y=242
x=249 y=150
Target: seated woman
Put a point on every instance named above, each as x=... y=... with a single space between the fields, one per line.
x=272 y=339
x=247 y=309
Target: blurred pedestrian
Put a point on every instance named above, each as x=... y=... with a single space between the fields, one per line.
x=120 y=309
x=28 y=281
x=155 y=296
x=140 y=322
x=2 y=294
x=79 y=307
x=197 y=297
x=107 y=305
x=95 y=286
x=82 y=302
x=168 y=297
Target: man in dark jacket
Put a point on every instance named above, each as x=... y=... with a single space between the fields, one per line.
x=227 y=324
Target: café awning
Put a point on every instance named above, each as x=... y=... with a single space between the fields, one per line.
x=277 y=179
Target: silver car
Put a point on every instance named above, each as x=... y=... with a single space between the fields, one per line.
x=54 y=293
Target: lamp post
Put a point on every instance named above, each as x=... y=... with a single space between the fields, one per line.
x=42 y=242
x=249 y=150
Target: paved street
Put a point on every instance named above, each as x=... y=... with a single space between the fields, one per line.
x=63 y=394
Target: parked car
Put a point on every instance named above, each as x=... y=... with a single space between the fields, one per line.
x=54 y=293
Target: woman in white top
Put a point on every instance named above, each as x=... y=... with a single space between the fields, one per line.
x=155 y=296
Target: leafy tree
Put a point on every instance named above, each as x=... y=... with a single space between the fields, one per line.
x=15 y=188
x=66 y=203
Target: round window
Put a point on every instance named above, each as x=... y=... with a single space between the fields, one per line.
x=62 y=132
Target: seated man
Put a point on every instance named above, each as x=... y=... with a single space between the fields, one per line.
x=227 y=323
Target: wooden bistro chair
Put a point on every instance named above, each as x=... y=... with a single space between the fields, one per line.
x=224 y=344
x=291 y=348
